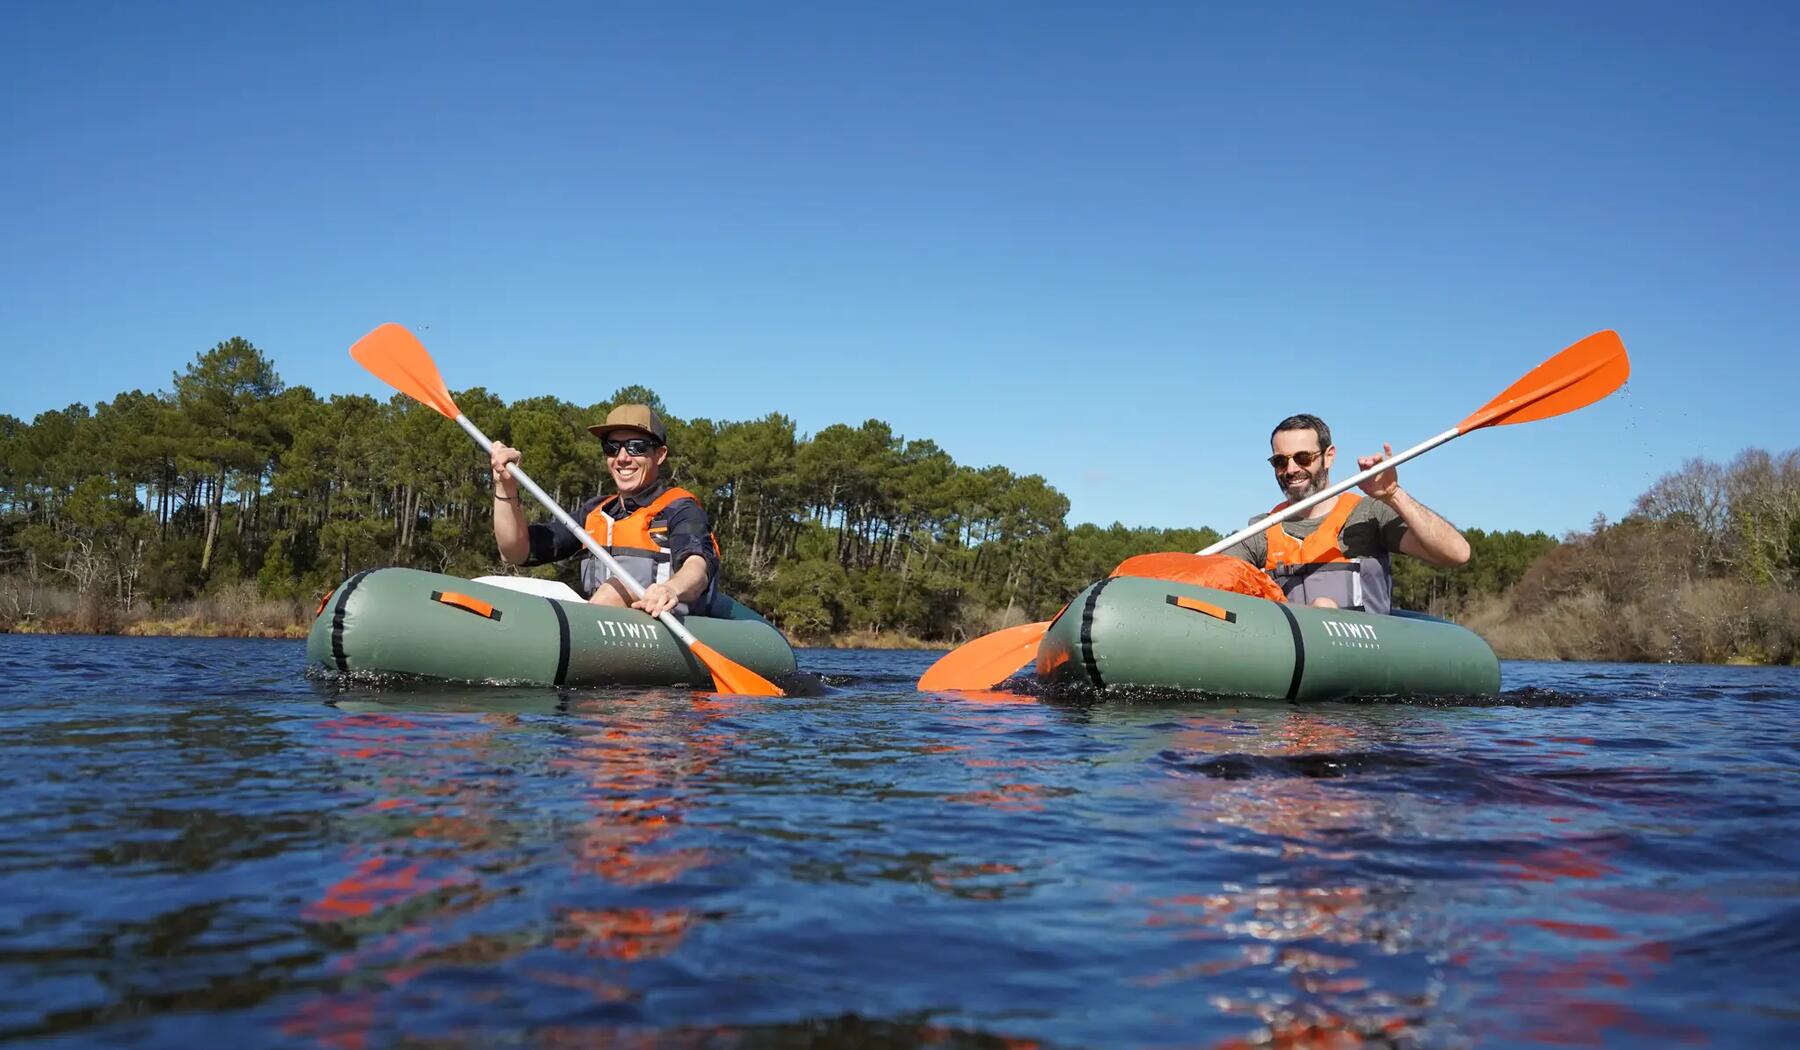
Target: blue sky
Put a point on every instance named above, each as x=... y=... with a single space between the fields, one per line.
x=1110 y=244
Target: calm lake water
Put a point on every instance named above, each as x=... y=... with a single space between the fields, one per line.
x=203 y=847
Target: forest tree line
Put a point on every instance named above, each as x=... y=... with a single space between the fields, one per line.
x=1706 y=567
x=231 y=481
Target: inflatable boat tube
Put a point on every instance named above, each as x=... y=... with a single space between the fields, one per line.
x=424 y=624
x=1130 y=632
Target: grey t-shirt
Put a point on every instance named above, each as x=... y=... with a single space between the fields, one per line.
x=1372 y=528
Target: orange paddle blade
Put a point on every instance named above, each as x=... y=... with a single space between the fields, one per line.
x=398 y=359
x=732 y=677
x=987 y=661
x=1577 y=377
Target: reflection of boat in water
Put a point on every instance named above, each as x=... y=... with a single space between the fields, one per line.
x=496 y=629
x=385 y=699
x=1135 y=632
x=448 y=817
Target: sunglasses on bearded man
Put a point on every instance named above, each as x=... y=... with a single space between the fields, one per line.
x=1302 y=460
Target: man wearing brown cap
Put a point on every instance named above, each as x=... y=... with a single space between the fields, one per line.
x=657 y=533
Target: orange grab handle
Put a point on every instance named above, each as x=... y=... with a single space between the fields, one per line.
x=1199 y=606
x=463 y=601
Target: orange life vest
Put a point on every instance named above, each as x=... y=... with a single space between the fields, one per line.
x=637 y=531
x=1317 y=568
x=637 y=542
x=1319 y=548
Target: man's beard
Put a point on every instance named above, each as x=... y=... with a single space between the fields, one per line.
x=1319 y=481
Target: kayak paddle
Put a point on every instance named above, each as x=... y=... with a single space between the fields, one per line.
x=397 y=358
x=1575 y=378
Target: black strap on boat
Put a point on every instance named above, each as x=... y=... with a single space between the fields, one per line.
x=1299 y=650
x=562 y=640
x=338 y=655
x=1087 y=633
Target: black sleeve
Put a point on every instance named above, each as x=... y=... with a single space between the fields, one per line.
x=552 y=541
x=690 y=533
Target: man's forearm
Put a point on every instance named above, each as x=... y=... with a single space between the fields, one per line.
x=691 y=579
x=512 y=533
x=1436 y=540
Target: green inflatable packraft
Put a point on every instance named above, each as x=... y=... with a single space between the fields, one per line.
x=408 y=622
x=1131 y=632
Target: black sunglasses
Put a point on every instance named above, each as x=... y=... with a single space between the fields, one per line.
x=1301 y=459
x=635 y=446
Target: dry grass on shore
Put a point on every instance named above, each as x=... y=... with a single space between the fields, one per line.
x=978 y=620
x=1700 y=621
x=868 y=640
x=233 y=612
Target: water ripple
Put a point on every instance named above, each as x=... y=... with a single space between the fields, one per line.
x=204 y=844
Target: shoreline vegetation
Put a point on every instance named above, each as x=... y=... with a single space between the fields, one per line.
x=231 y=503
x=250 y=617
x=1709 y=621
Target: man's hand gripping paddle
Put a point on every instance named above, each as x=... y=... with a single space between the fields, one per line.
x=397 y=358
x=1577 y=377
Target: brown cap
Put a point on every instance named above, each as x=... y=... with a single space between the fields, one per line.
x=632 y=417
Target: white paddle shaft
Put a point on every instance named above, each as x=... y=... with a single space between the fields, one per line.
x=1324 y=494
x=674 y=625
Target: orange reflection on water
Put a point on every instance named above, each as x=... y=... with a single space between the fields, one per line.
x=1282 y=785
x=992 y=697
x=849 y=1030
x=1554 y=863
x=999 y=784
x=637 y=773
x=1010 y=797
x=341 y=1021
x=624 y=933
x=1336 y=914
x=1557 y=1000
x=1330 y=1005
x=434 y=832
x=378 y=882
x=1581 y=994
x=1578 y=930
x=1302 y=810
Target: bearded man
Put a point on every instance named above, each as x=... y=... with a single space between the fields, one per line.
x=1337 y=555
